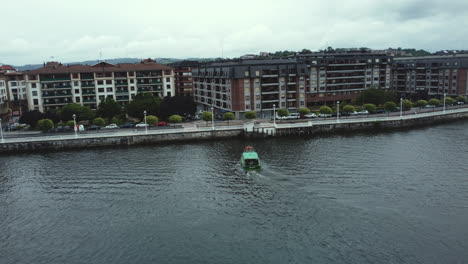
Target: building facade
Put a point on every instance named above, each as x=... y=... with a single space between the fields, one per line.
x=13 y=96
x=343 y=76
x=431 y=76
x=55 y=84
x=245 y=86
x=183 y=77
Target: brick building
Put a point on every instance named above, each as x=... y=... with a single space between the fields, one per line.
x=183 y=77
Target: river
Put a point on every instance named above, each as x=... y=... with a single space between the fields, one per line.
x=394 y=197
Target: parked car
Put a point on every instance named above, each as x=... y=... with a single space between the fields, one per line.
x=128 y=125
x=94 y=127
x=460 y=103
x=379 y=111
x=311 y=115
x=430 y=106
x=293 y=116
x=281 y=117
x=141 y=125
x=162 y=123
x=62 y=129
x=353 y=113
x=363 y=112
x=111 y=126
x=324 y=115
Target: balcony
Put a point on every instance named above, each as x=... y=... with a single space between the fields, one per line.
x=122 y=98
x=89 y=101
x=48 y=95
x=87 y=77
x=87 y=85
x=270 y=84
x=55 y=79
x=88 y=92
x=156 y=82
x=121 y=91
x=121 y=83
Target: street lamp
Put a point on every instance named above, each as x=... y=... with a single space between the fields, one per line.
x=75 y=128
x=146 y=125
x=212 y=119
x=337 y=111
x=444 y=101
x=401 y=108
x=274 y=114
x=1 y=132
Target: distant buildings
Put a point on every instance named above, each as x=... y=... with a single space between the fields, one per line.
x=12 y=91
x=55 y=84
x=183 y=77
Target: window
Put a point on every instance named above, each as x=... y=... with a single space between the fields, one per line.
x=132 y=80
x=36 y=101
x=168 y=79
x=75 y=83
x=13 y=83
x=75 y=76
x=34 y=93
x=77 y=99
x=77 y=91
x=33 y=85
x=131 y=74
x=109 y=89
x=168 y=86
x=100 y=82
x=101 y=98
x=132 y=88
x=101 y=90
x=108 y=81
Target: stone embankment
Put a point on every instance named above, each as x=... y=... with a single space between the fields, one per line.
x=251 y=129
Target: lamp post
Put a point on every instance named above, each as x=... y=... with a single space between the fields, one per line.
x=146 y=125
x=212 y=119
x=337 y=111
x=274 y=114
x=75 y=128
x=1 y=132
x=401 y=108
x=444 y=101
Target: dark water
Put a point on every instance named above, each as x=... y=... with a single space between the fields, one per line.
x=399 y=197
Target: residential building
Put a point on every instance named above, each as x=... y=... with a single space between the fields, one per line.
x=431 y=76
x=12 y=91
x=55 y=84
x=183 y=77
x=343 y=76
x=258 y=85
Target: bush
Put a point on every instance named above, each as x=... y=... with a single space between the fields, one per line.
x=45 y=124
x=449 y=101
x=70 y=123
x=461 y=98
x=407 y=104
x=250 y=115
x=435 y=102
x=304 y=111
x=390 y=106
x=175 y=119
x=228 y=116
x=325 y=110
x=421 y=103
x=151 y=120
x=207 y=116
x=370 y=107
x=348 y=109
x=282 y=112
x=99 y=122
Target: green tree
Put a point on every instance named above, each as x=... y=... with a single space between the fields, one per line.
x=109 y=108
x=177 y=105
x=407 y=104
x=207 y=116
x=461 y=98
x=250 y=115
x=81 y=112
x=370 y=107
x=421 y=103
x=228 y=116
x=45 y=124
x=348 y=109
x=390 y=106
x=434 y=102
x=31 y=118
x=304 y=111
x=151 y=120
x=375 y=96
x=99 y=122
x=70 y=123
x=143 y=102
x=282 y=112
x=325 y=110
x=175 y=119
x=449 y=101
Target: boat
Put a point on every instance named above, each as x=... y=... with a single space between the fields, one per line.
x=249 y=159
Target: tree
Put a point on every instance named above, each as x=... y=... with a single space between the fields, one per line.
x=70 y=123
x=304 y=111
x=461 y=98
x=449 y=101
x=177 y=105
x=407 y=104
x=45 y=124
x=81 y=112
x=175 y=119
x=325 y=110
x=143 y=102
x=99 y=122
x=434 y=102
x=421 y=103
x=370 y=107
x=109 y=108
x=390 y=106
x=151 y=120
x=228 y=116
x=375 y=96
x=282 y=112
x=31 y=118
x=250 y=115
x=207 y=116
x=348 y=109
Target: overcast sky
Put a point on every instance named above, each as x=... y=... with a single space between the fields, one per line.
x=34 y=31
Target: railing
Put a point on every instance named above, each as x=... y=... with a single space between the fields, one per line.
x=55 y=79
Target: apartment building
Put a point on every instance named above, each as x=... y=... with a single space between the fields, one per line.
x=342 y=76
x=183 y=77
x=431 y=76
x=244 y=86
x=55 y=84
x=12 y=91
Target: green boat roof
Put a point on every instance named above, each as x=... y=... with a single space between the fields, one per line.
x=250 y=155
